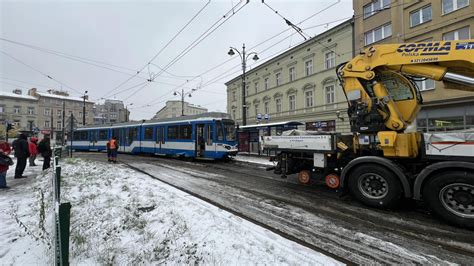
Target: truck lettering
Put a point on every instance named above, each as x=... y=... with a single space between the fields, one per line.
x=431 y=48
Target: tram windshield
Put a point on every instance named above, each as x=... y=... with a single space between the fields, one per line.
x=229 y=128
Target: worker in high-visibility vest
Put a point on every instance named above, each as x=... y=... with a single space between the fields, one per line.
x=112 y=148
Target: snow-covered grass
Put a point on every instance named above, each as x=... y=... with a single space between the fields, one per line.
x=120 y=216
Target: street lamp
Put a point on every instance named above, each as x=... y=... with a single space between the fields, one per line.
x=182 y=94
x=126 y=111
x=84 y=109
x=244 y=58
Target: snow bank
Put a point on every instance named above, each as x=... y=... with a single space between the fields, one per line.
x=119 y=216
x=254 y=160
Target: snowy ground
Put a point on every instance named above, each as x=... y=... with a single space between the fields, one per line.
x=119 y=216
x=253 y=159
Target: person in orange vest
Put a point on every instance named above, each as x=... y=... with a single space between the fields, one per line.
x=112 y=148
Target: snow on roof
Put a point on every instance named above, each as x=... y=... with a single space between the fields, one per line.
x=50 y=95
x=20 y=96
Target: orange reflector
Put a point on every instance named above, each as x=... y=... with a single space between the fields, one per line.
x=332 y=181
x=304 y=177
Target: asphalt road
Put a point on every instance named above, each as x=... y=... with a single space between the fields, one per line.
x=322 y=218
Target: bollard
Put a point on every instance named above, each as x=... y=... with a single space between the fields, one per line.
x=64 y=223
x=58 y=183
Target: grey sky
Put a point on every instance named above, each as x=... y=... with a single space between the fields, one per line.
x=129 y=33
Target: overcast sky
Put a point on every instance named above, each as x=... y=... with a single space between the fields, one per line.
x=118 y=38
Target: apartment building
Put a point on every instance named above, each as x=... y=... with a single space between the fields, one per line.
x=19 y=109
x=110 y=112
x=50 y=107
x=173 y=109
x=299 y=84
x=392 y=21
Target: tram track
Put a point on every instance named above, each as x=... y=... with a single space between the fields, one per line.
x=439 y=241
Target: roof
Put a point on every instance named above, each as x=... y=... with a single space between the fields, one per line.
x=50 y=95
x=285 y=123
x=19 y=96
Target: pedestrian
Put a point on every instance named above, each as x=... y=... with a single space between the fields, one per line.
x=5 y=163
x=109 y=157
x=44 y=147
x=113 y=145
x=20 y=146
x=33 y=147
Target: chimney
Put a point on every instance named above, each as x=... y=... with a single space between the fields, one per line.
x=17 y=91
x=32 y=91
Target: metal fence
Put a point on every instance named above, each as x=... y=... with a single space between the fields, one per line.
x=61 y=214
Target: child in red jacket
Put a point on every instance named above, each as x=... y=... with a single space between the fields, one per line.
x=33 y=147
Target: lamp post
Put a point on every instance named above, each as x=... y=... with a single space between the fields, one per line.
x=126 y=111
x=182 y=94
x=244 y=58
x=84 y=109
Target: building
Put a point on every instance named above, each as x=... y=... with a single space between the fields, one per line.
x=298 y=85
x=52 y=104
x=173 y=109
x=110 y=112
x=385 y=21
x=20 y=110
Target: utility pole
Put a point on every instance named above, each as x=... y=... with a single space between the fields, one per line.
x=84 y=109
x=182 y=102
x=52 y=128
x=71 y=134
x=63 y=142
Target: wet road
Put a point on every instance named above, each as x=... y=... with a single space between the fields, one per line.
x=322 y=218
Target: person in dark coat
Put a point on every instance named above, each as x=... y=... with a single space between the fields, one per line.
x=20 y=146
x=44 y=147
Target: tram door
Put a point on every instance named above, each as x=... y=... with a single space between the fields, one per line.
x=200 y=141
x=122 y=137
x=160 y=139
x=92 y=139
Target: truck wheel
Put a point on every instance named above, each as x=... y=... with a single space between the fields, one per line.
x=451 y=196
x=375 y=186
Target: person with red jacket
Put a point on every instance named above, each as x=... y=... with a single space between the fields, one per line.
x=33 y=147
x=5 y=162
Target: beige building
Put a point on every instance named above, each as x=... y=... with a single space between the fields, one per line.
x=18 y=109
x=299 y=84
x=173 y=109
x=386 y=21
x=50 y=110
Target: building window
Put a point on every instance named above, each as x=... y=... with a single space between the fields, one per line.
x=266 y=83
x=309 y=98
x=234 y=96
x=16 y=109
x=292 y=101
x=459 y=34
x=330 y=60
x=420 y=16
x=87 y=114
x=59 y=112
x=378 y=34
x=247 y=113
x=292 y=73
x=234 y=114
x=376 y=6
x=47 y=111
x=278 y=105
x=256 y=87
x=427 y=84
x=329 y=89
x=59 y=125
x=256 y=109
x=266 y=107
x=46 y=124
x=2 y=109
x=80 y=114
x=309 y=67
x=30 y=125
x=453 y=5
x=278 y=79
x=31 y=110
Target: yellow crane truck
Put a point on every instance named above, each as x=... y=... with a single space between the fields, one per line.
x=381 y=161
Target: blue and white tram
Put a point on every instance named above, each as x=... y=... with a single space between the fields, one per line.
x=193 y=137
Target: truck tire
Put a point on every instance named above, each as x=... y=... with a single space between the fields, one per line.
x=450 y=195
x=375 y=186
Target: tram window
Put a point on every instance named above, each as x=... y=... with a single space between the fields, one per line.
x=115 y=132
x=173 y=132
x=185 y=132
x=229 y=131
x=220 y=133
x=93 y=135
x=103 y=134
x=148 y=133
x=80 y=135
x=76 y=136
x=209 y=134
x=132 y=133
